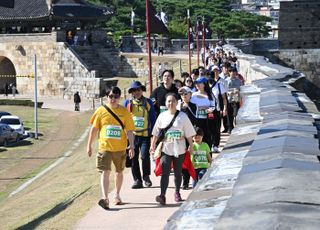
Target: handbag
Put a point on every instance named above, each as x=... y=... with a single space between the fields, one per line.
x=128 y=160
x=162 y=132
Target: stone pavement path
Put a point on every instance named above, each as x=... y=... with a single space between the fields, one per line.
x=140 y=210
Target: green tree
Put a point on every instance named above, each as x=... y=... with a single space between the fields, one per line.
x=217 y=14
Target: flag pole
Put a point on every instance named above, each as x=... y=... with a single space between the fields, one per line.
x=188 y=14
x=132 y=29
x=148 y=45
x=203 y=41
x=197 y=43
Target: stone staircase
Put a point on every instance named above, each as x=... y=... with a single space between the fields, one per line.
x=97 y=58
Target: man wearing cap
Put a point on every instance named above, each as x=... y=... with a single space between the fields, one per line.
x=144 y=117
x=159 y=94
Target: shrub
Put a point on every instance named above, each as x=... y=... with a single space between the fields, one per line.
x=19 y=102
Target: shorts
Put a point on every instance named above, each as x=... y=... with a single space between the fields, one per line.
x=104 y=159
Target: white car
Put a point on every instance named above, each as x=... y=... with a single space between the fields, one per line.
x=14 y=122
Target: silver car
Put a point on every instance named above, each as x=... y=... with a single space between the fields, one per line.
x=7 y=135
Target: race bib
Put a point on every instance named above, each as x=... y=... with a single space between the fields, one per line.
x=163 y=108
x=202 y=112
x=138 y=122
x=174 y=134
x=113 y=132
x=200 y=156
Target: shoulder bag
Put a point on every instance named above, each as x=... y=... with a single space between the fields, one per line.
x=162 y=132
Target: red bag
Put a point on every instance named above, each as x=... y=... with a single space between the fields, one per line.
x=187 y=164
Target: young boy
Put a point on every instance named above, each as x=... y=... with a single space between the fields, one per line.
x=200 y=158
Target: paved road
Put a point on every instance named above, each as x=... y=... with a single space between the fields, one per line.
x=59 y=103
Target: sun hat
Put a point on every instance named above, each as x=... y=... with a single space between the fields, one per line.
x=185 y=89
x=136 y=85
x=201 y=80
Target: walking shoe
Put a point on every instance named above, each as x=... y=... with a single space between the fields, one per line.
x=117 y=200
x=185 y=187
x=215 y=149
x=225 y=131
x=147 y=181
x=161 y=199
x=177 y=197
x=137 y=184
x=104 y=203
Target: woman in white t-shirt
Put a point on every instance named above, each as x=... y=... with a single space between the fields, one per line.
x=174 y=145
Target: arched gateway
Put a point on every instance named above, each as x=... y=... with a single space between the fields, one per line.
x=7 y=73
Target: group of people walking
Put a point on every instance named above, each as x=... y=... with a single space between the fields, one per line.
x=179 y=126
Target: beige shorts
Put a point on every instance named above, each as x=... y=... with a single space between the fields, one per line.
x=104 y=160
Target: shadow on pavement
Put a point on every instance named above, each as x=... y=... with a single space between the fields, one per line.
x=51 y=213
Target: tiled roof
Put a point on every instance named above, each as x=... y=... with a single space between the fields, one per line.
x=25 y=9
x=37 y=9
x=79 y=11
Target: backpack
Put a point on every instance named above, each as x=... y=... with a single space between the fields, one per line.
x=145 y=104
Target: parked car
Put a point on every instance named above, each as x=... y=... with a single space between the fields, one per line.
x=7 y=134
x=2 y=113
x=14 y=122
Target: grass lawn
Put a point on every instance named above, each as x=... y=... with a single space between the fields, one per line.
x=61 y=197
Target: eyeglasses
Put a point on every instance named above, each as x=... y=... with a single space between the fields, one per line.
x=189 y=81
x=114 y=96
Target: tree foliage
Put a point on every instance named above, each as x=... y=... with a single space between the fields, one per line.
x=217 y=14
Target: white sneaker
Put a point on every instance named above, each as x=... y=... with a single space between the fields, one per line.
x=215 y=149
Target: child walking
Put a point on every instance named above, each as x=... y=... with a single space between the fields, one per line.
x=201 y=158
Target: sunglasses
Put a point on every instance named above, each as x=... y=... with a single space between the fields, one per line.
x=114 y=96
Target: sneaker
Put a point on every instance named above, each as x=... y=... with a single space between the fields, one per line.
x=117 y=200
x=185 y=187
x=215 y=149
x=104 y=203
x=137 y=184
x=147 y=181
x=161 y=199
x=177 y=197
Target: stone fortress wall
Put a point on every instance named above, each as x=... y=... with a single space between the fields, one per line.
x=62 y=71
x=267 y=175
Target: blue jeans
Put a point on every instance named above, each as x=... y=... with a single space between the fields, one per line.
x=199 y=172
x=141 y=144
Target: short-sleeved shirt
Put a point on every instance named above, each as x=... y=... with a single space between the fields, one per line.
x=203 y=104
x=217 y=89
x=200 y=154
x=112 y=137
x=174 y=143
x=234 y=83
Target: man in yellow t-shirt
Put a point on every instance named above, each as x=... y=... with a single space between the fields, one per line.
x=112 y=142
